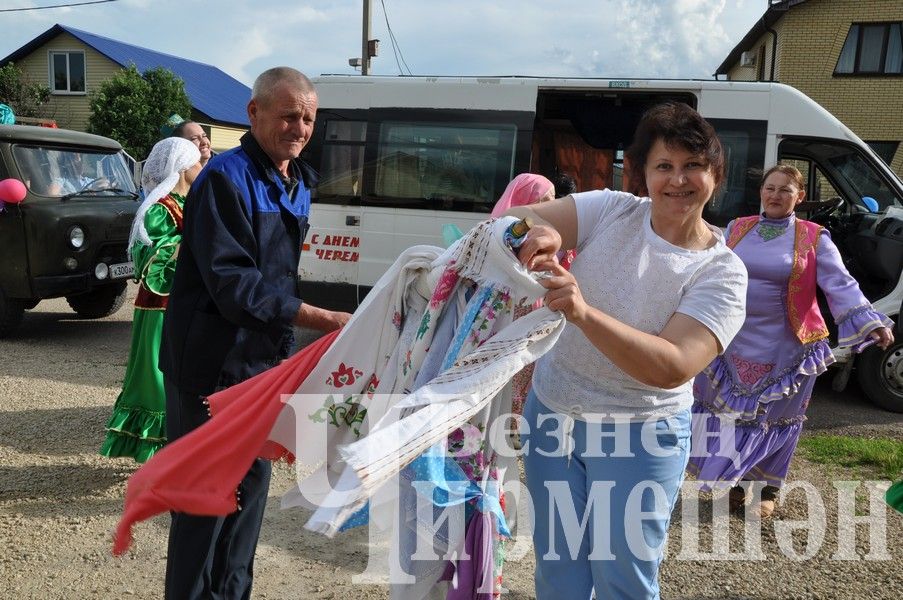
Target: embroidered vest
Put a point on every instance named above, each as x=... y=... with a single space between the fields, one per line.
x=802 y=306
x=145 y=298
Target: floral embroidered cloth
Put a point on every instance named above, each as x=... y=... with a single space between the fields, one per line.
x=471 y=290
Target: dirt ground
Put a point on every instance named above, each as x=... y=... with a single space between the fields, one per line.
x=60 y=500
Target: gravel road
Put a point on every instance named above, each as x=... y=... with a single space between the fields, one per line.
x=60 y=500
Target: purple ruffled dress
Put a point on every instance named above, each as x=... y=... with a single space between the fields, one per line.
x=751 y=401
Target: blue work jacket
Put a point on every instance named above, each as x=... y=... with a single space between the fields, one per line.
x=235 y=290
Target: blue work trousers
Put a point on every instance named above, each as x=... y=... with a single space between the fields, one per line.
x=212 y=558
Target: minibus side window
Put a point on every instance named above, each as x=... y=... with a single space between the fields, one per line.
x=443 y=166
x=744 y=153
x=342 y=161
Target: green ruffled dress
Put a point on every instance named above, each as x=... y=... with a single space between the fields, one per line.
x=894 y=496
x=137 y=427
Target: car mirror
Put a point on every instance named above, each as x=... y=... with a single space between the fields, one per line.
x=12 y=191
x=871 y=204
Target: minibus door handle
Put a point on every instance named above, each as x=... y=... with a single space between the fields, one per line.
x=352 y=220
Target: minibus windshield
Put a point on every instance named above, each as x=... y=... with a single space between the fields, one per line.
x=851 y=171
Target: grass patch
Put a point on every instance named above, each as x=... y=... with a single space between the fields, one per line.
x=874 y=456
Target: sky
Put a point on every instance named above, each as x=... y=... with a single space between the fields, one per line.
x=553 y=38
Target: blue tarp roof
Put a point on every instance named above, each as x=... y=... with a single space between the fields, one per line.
x=212 y=92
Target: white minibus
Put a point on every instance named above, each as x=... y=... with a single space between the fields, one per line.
x=400 y=157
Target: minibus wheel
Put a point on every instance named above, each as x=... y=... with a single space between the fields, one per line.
x=880 y=375
x=99 y=302
x=11 y=312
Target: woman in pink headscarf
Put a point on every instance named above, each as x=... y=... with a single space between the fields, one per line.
x=526 y=188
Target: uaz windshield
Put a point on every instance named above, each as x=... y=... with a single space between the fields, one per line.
x=60 y=172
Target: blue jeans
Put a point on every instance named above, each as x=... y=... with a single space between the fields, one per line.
x=600 y=520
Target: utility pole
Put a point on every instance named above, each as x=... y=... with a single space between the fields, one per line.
x=365 y=40
x=369 y=48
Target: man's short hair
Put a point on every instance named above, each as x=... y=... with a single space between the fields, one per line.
x=267 y=81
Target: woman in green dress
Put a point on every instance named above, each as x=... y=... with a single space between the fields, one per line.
x=894 y=496
x=137 y=427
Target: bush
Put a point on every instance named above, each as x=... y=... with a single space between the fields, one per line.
x=131 y=107
x=25 y=98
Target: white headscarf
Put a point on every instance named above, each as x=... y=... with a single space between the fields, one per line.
x=165 y=163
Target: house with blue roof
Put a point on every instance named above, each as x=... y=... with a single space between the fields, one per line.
x=74 y=63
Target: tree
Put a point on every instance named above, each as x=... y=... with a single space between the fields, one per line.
x=25 y=98
x=131 y=107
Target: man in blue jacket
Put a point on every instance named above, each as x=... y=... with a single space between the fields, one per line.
x=231 y=310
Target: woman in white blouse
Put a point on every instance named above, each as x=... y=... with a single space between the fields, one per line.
x=652 y=297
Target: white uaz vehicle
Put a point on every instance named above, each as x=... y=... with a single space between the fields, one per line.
x=400 y=157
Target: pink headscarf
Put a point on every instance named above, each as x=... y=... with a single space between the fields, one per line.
x=524 y=189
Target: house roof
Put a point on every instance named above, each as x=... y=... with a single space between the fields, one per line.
x=212 y=92
x=772 y=15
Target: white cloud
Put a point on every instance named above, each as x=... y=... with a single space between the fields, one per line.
x=682 y=38
x=254 y=44
x=576 y=38
x=139 y=4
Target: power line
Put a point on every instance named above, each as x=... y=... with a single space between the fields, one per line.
x=396 y=48
x=394 y=40
x=56 y=6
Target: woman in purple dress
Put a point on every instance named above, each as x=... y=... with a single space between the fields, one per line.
x=751 y=401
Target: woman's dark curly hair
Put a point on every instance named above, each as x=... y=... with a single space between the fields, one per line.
x=179 y=130
x=678 y=126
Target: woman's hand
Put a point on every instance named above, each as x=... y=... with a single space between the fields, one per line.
x=883 y=336
x=564 y=294
x=541 y=245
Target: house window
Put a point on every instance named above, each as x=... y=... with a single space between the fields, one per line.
x=67 y=72
x=872 y=49
x=886 y=150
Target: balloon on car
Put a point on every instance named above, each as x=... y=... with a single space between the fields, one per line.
x=12 y=191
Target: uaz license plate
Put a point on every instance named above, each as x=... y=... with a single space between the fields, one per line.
x=121 y=270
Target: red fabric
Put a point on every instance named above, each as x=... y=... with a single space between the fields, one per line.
x=175 y=211
x=568 y=258
x=149 y=300
x=803 y=312
x=199 y=472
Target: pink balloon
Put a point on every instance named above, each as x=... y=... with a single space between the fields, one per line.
x=12 y=191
